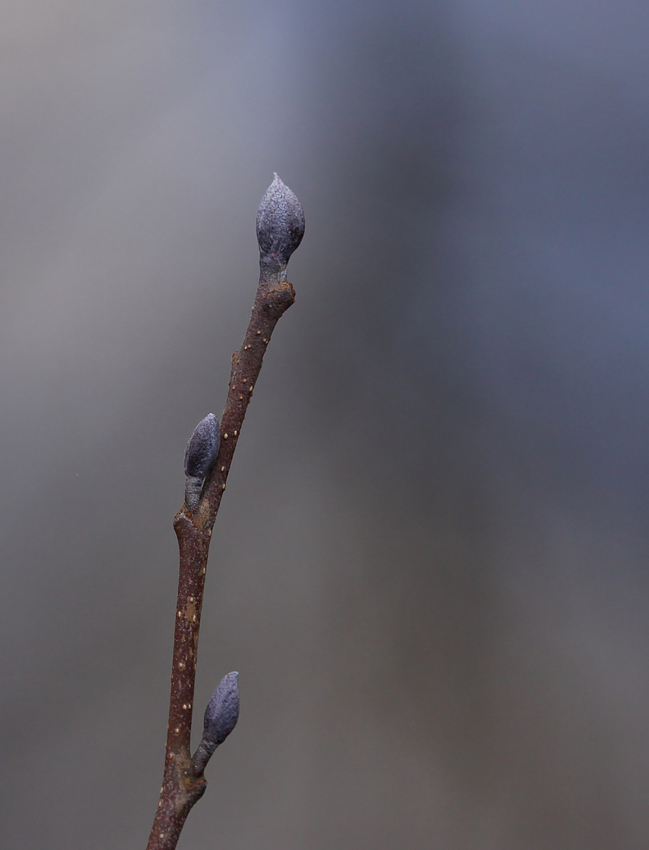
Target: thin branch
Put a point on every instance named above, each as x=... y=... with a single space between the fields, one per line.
x=280 y=226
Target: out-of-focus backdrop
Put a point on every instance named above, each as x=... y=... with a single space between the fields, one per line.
x=430 y=567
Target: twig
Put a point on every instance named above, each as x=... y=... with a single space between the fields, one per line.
x=280 y=227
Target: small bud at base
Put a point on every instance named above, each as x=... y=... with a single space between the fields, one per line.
x=193 y=490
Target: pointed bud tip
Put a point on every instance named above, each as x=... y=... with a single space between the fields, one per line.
x=280 y=222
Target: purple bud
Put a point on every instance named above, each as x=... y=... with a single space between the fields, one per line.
x=280 y=223
x=221 y=717
x=203 y=447
x=222 y=710
x=200 y=456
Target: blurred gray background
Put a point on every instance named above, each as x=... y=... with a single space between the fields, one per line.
x=430 y=565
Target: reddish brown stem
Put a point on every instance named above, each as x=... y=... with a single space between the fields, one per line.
x=182 y=786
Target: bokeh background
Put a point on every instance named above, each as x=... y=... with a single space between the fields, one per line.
x=430 y=564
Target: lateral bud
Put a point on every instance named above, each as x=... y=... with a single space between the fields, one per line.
x=221 y=717
x=280 y=224
x=200 y=456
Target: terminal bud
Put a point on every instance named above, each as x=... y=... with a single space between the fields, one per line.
x=280 y=223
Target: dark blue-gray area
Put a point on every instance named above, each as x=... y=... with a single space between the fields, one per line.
x=203 y=447
x=222 y=711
